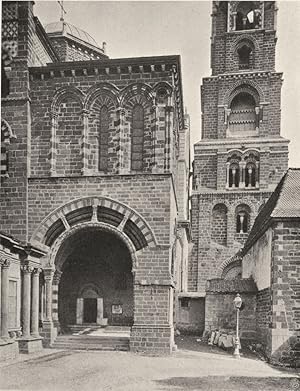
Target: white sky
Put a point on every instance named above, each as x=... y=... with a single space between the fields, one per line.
x=136 y=29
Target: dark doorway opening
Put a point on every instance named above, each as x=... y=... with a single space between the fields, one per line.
x=90 y=310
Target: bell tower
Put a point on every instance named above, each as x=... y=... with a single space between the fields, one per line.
x=241 y=156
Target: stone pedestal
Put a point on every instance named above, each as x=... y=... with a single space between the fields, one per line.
x=48 y=334
x=30 y=345
x=152 y=339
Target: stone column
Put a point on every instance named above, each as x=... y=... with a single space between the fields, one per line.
x=242 y=175
x=55 y=283
x=48 y=274
x=4 y=298
x=35 y=303
x=27 y=270
x=84 y=143
x=53 y=144
x=49 y=332
x=227 y=175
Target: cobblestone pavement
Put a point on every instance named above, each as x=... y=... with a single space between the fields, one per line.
x=184 y=370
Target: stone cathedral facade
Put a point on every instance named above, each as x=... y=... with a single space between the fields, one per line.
x=98 y=225
x=94 y=187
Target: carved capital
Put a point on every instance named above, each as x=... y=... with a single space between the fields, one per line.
x=5 y=263
x=48 y=274
x=56 y=277
x=37 y=271
x=27 y=269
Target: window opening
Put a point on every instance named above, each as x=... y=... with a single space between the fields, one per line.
x=137 y=138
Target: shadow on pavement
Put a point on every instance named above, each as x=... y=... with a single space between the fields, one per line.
x=223 y=383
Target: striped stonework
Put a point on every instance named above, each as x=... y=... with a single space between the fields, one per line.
x=84 y=147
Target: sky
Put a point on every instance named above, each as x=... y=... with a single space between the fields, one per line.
x=154 y=28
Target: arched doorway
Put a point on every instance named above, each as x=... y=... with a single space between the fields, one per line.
x=96 y=285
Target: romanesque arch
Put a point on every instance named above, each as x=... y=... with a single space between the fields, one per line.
x=102 y=212
x=108 y=93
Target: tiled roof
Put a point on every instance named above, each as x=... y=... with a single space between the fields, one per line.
x=283 y=203
x=64 y=28
x=288 y=203
x=219 y=285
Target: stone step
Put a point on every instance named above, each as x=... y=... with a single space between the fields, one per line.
x=65 y=346
x=90 y=342
x=91 y=339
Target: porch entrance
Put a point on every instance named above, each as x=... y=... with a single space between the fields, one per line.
x=89 y=310
x=96 y=286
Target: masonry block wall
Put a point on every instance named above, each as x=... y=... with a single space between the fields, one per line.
x=221 y=315
x=285 y=293
x=16 y=111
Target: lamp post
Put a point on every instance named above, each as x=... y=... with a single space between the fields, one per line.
x=237 y=305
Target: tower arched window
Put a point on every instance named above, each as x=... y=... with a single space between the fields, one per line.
x=250 y=175
x=245 y=55
x=234 y=175
x=219 y=224
x=248 y=15
x=137 y=138
x=243 y=117
x=242 y=219
x=103 y=139
x=251 y=160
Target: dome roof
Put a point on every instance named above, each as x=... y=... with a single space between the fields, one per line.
x=63 y=28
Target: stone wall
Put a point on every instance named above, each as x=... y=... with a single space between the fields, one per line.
x=286 y=292
x=220 y=313
x=264 y=318
x=191 y=315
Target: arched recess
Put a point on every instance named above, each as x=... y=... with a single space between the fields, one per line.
x=249 y=86
x=97 y=265
x=101 y=128
x=163 y=93
x=242 y=219
x=231 y=268
x=248 y=15
x=67 y=132
x=107 y=90
x=102 y=212
x=219 y=224
x=133 y=96
x=244 y=112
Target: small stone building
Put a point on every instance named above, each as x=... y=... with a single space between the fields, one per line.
x=95 y=180
x=271 y=256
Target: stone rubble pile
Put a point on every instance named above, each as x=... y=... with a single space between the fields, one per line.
x=222 y=339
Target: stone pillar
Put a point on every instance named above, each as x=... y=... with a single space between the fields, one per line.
x=35 y=303
x=242 y=175
x=234 y=14
x=99 y=311
x=84 y=143
x=53 y=144
x=30 y=311
x=227 y=175
x=79 y=311
x=4 y=298
x=27 y=270
x=55 y=283
x=49 y=332
x=48 y=273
